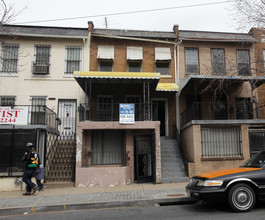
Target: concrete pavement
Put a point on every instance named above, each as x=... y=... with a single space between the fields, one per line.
x=66 y=197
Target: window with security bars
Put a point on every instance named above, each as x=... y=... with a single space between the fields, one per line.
x=244 y=108
x=221 y=142
x=243 y=63
x=7 y=100
x=38 y=110
x=107 y=147
x=218 y=61
x=9 y=58
x=41 y=65
x=105 y=108
x=136 y=100
x=192 y=60
x=73 y=59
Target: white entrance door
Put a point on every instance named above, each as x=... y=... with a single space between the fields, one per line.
x=67 y=115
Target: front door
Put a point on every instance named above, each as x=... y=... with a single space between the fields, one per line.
x=158 y=114
x=144 y=159
x=67 y=115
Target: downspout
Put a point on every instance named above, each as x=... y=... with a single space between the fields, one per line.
x=86 y=64
x=176 y=60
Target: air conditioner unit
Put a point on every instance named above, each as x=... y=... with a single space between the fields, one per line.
x=40 y=69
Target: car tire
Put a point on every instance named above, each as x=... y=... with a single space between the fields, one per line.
x=241 y=197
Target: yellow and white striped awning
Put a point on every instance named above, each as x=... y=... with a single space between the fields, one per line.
x=116 y=75
x=167 y=87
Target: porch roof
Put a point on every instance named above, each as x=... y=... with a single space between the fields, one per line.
x=113 y=77
x=255 y=81
x=117 y=75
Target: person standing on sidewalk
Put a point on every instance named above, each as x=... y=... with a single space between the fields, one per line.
x=31 y=159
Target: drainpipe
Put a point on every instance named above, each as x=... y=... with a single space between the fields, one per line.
x=176 y=61
x=87 y=55
x=84 y=64
x=178 y=93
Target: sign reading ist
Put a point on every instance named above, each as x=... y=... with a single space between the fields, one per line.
x=126 y=113
x=15 y=116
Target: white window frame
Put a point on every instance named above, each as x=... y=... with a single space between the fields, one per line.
x=72 y=58
x=33 y=109
x=14 y=57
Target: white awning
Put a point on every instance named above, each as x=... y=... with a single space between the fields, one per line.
x=162 y=53
x=134 y=53
x=105 y=52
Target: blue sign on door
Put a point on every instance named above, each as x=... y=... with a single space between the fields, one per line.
x=126 y=113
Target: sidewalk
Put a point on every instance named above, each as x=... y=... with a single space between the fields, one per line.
x=72 y=198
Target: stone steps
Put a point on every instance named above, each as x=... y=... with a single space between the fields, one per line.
x=172 y=165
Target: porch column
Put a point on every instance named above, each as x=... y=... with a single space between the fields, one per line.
x=87 y=104
x=146 y=95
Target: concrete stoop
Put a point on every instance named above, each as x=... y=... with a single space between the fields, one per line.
x=172 y=165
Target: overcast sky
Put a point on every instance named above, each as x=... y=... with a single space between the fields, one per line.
x=186 y=13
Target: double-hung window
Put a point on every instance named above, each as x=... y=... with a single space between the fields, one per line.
x=163 y=58
x=107 y=147
x=243 y=65
x=192 y=60
x=7 y=100
x=9 y=58
x=218 y=61
x=105 y=108
x=73 y=59
x=134 y=58
x=38 y=110
x=244 y=108
x=41 y=65
x=105 y=58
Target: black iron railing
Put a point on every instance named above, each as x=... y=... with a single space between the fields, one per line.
x=111 y=111
x=223 y=111
x=33 y=115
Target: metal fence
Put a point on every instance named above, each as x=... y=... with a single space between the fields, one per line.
x=221 y=111
x=110 y=112
x=60 y=158
x=36 y=115
x=12 y=149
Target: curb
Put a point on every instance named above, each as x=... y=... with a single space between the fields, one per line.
x=96 y=205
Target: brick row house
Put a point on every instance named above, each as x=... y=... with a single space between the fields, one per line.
x=219 y=99
x=196 y=99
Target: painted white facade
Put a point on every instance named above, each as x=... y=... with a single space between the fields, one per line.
x=54 y=86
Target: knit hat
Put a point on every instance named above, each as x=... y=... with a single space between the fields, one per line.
x=30 y=145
